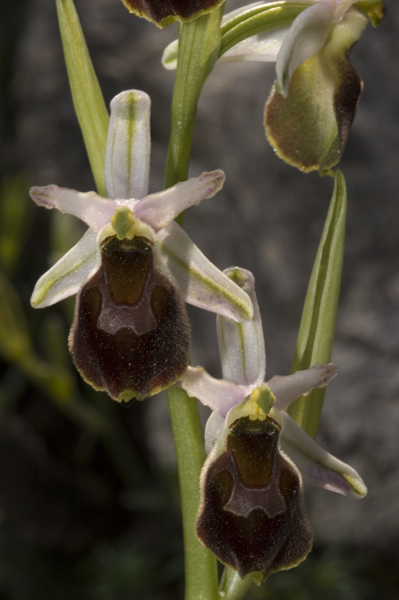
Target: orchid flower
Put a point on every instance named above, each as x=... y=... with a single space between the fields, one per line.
x=251 y=514
x=311 y=109
x=134 y=266
x=165 y=12
x=310 y=112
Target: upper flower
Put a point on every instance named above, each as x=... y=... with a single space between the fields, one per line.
x=309 y=113
x=134 y=266
x=251 y=514
x=165 y=12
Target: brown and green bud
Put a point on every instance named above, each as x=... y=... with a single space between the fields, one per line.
x=251 y=515
x=165 y=12
x=130 y=335
x=309 y=128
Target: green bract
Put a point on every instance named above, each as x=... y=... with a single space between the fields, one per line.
x=317 y=329
x=165 y=12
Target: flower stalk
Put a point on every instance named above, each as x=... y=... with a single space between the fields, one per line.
x=200 y=563
x=199 y=44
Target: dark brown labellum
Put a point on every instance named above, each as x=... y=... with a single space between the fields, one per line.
x=130 y=335
x=164 y=12
x=251 y=514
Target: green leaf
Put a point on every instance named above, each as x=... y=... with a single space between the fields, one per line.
x=316 y=333
x=87 y=97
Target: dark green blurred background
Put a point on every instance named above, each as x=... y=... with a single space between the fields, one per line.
x=89 y=501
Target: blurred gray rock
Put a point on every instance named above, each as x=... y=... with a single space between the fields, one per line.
x=268 y=218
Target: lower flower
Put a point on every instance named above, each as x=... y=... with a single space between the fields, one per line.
x=251 y=514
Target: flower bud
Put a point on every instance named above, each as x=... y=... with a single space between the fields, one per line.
x=309 y=126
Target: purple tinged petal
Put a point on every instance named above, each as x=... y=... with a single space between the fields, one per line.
x=201 y=282
x=306 y=37
x=68 y=275
x=241 y=345
x=290 y=387
x=317 y=466
x=218 y=394
x=127 y=158
x=213 y=430
x=158 y=210
x=263 y=47
x=89 y=207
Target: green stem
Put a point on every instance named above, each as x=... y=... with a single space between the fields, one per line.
x=200 y=563
x=232 y=587
x=199 y=44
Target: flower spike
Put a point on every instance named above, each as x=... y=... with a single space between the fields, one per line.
x=251 y=514
x=130 y=334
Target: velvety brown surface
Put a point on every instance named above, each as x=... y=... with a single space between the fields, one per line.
x=130 y=334
x=157 y=10
x=251 y=515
